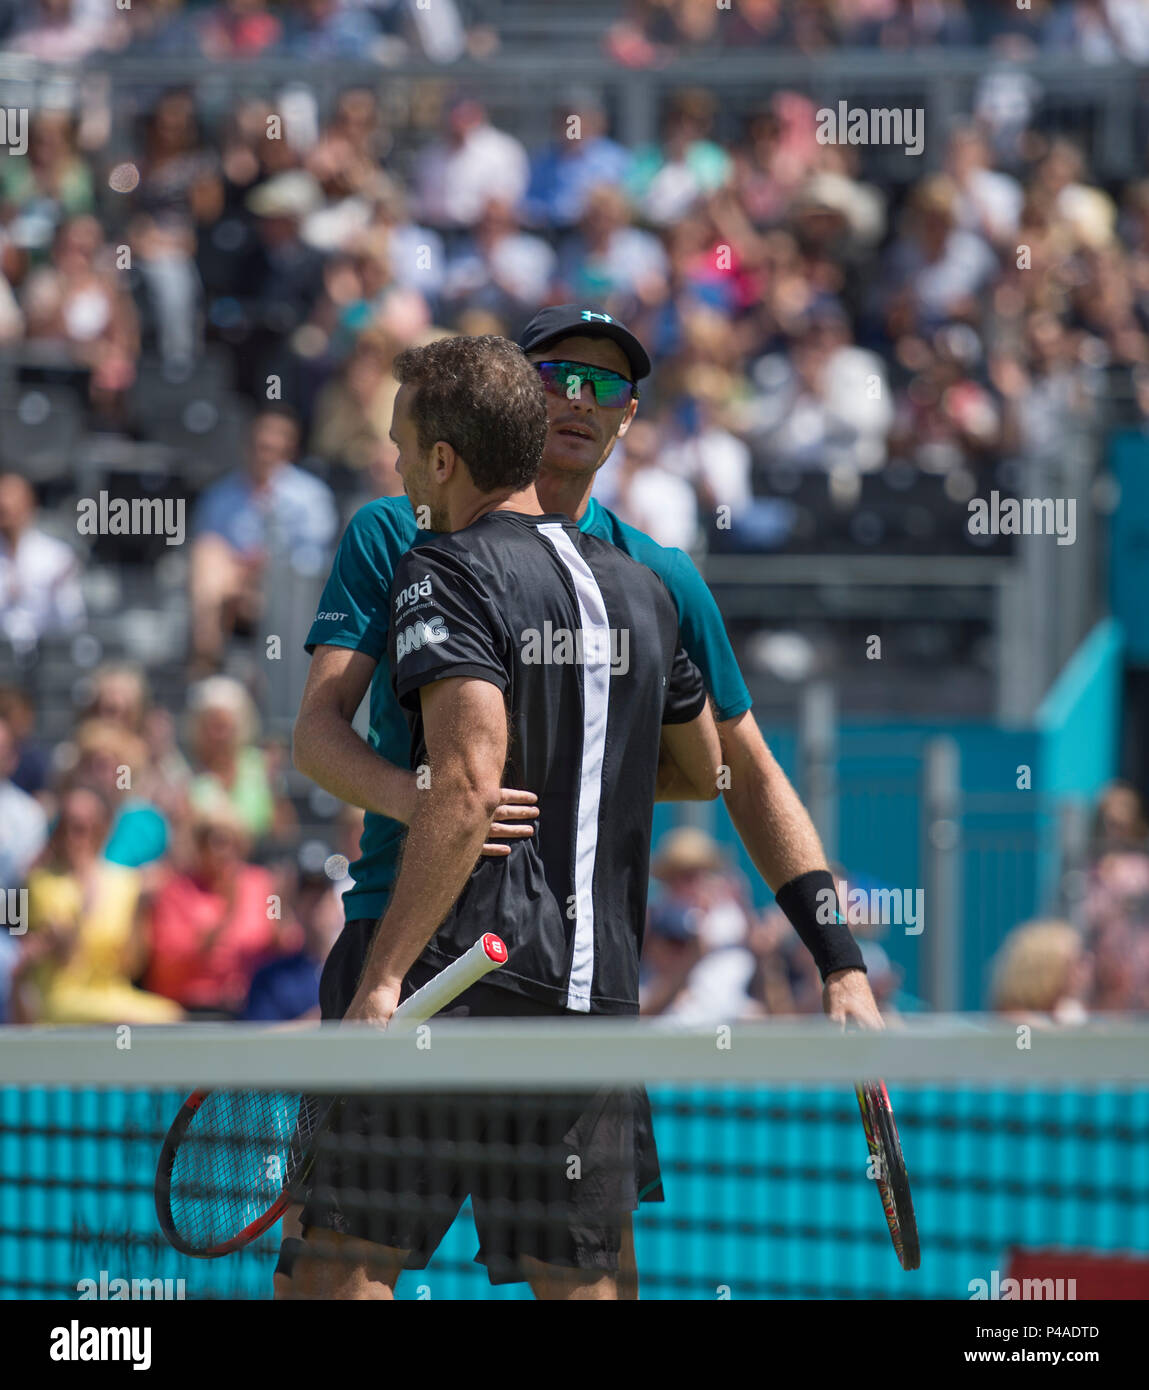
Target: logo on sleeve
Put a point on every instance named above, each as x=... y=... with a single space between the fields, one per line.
x=330 y=617
x=419 y=589
x=420 y=634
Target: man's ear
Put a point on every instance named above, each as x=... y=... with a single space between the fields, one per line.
x=444 y=461
x=631 y=411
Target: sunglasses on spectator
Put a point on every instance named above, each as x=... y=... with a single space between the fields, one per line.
x=611 y=390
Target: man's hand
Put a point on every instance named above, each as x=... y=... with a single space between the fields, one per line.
x=847 y=998
x=373 y=1004
x=511 y=821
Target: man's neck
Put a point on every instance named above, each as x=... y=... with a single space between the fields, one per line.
x=567 y=493
x=525 y=501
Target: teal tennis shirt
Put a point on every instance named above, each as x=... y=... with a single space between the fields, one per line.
x=355 y=609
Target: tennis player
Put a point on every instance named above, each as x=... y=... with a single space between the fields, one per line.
x=569 y=340
x=517 y=642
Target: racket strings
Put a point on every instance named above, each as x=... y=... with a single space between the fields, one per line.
x=239 y=1151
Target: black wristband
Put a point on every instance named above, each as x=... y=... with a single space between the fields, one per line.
x=810 y=901
x=289 y=1251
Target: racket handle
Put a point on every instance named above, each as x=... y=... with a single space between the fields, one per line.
x=487 y=954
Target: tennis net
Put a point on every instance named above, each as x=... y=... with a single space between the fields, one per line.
x=1028 y=1152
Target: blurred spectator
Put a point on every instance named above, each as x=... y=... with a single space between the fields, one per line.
x=988 y=202
x=1117 y=890
x=1121 y=967
x=774 y=158
x=650 y=496
x=380 y=300
x=1044 y=388
x=1120 y=822
x=1088 y=211
x=230 y=768
x=353 y=412
x=415 y=253
x=287 y=987
x=23 y=824
x=608 y=261
x=1042 y=969
x=348 y=179
x=473 y=163
x=700 y=449
x=39 y=575
x=120 y=695
x=699 y=967
x=499 y=268
x=82 y=307
x=935 y=268
x=175 y=158
x=58 y=31
x=1100 y=31
x=114 y=761
x=945 y=419
x=824 y=402
x=83 y=947
x=666 y=179
x=212 y=926
x=238 y=29
x=267 y=502
x=283 y=276
x=319 y=30
x=581 y=157
x=51 y=184
x=18 y=711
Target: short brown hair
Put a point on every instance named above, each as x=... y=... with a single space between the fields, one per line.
x=484 y=398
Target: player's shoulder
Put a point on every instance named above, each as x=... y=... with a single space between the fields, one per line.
x=385 y=523
x=673 y=566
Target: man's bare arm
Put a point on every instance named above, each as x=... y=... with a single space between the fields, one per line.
x=781 y=840
x=328 y=750
x=688 y=760
x=465 y=725
x=767 y=813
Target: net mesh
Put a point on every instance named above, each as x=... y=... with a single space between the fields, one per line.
x=767 y=1183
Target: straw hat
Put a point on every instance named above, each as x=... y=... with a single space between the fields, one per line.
x=685 y=851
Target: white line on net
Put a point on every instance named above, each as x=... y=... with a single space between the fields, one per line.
x=499 y=1054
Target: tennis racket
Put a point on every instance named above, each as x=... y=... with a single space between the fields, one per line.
x=892 y=1179
x=234 y=1161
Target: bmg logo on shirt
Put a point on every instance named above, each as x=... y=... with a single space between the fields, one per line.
x=420 y=634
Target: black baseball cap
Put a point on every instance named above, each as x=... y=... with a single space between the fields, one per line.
x=575 y=321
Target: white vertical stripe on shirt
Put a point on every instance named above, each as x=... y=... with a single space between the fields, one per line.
x=596 y=701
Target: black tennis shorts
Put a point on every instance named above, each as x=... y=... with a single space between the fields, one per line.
x=554 y=1176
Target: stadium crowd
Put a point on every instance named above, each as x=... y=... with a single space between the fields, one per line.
x=803 y=319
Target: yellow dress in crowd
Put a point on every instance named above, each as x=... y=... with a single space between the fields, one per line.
x=91 y=985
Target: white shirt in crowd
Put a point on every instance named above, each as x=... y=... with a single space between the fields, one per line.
x=456 y=182
x=39 y=588
x=715 y=459
x=661 y=504
x=23 y=833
